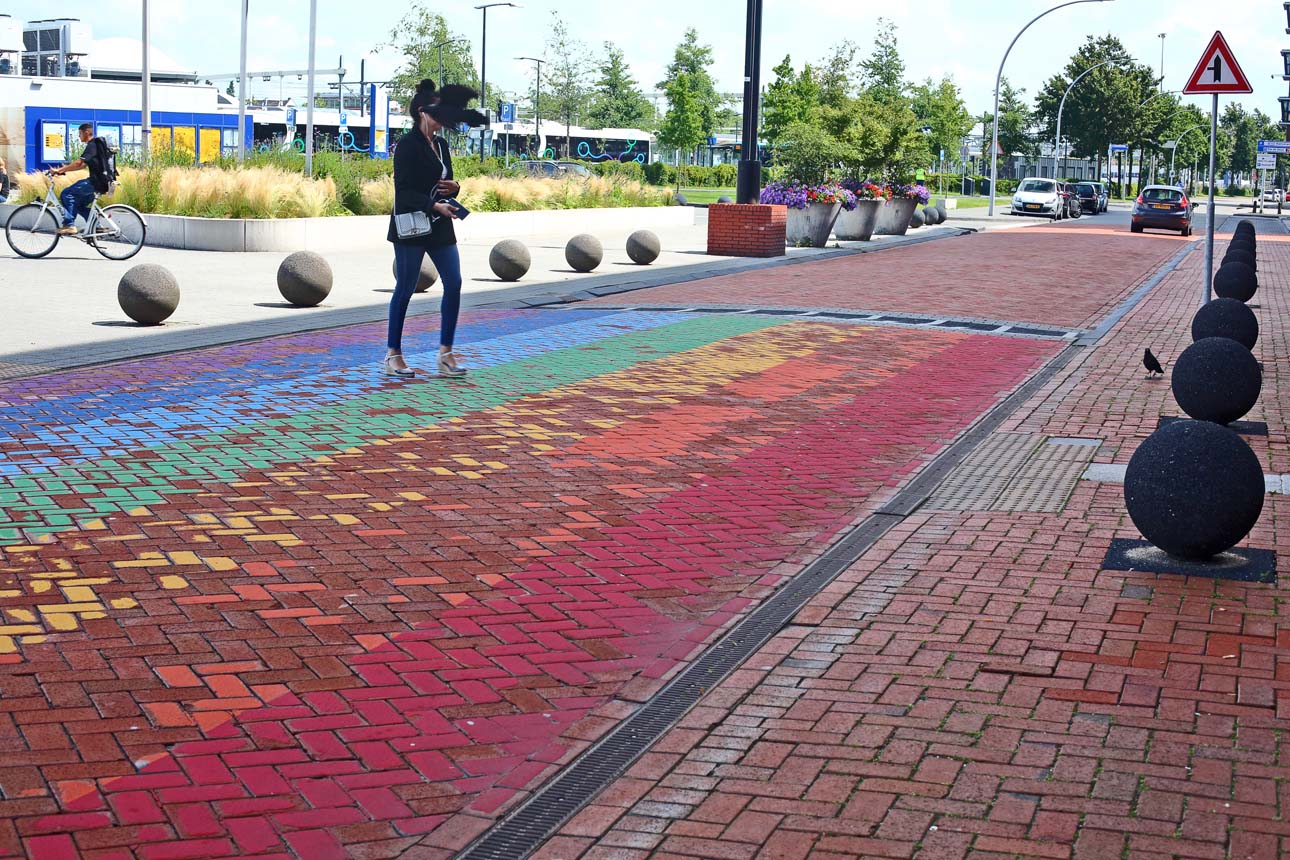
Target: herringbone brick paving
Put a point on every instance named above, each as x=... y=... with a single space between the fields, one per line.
x=260 y=602
x=977 y=687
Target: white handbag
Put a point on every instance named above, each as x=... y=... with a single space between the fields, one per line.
x=411 y=225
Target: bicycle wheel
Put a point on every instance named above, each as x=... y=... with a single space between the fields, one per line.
x=31 y=231
x=119 y=233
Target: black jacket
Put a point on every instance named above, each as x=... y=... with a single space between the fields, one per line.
x=4 y=184
x=417 y=171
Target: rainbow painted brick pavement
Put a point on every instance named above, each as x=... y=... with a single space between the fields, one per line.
x=259 y=601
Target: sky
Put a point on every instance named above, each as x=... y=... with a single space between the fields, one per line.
x=964 y=40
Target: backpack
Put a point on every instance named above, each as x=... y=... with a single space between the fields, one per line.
x=103 y=167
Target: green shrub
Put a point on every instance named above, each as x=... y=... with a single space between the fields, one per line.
x=658 y=173
x=1235 y=191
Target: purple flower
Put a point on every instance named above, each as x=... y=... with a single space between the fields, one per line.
x=798 y=196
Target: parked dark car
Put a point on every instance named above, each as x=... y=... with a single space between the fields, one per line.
x=1161 y=207
x=1089 y=199
x=1103 y=195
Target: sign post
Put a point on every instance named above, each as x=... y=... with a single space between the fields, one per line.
x=1215 y=74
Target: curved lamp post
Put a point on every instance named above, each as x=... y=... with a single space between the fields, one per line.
x=1147 y=101
x=1174 y=154
x=1057 y=141
x=998 y=79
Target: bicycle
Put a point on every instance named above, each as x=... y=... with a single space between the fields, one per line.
x=117 y=231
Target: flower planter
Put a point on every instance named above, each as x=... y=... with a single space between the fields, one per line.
x=858 y=224
x=811 y=226
x=893 y=219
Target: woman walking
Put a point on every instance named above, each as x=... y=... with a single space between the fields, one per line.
x=423 y=183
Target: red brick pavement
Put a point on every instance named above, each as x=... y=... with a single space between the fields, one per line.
x=1007 y=275
x=977 y=687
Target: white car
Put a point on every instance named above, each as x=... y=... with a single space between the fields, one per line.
x=1040 y=197
x=1272 y=195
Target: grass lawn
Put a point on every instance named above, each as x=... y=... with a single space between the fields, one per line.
x=706 y=195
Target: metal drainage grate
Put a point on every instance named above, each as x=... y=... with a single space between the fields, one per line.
x=904 y=320
x=975 y=326
x=1038 y=332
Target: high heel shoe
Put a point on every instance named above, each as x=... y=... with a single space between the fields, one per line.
x=390 y=370
x=448 y=365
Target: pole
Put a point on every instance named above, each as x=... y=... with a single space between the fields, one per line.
x=1209 y=221
x=537 y=111
x=441 y=64
x=998 y=80
x=145 y=141
x=1061 y=107
x=309 y=113
x=241 y=88
x=483 y=80
x=749 y=175
x=1162 y=61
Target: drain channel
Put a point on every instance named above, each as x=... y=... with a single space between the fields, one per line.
x=533 y=822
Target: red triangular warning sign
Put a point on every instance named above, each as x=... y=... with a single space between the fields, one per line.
x=1217 y=71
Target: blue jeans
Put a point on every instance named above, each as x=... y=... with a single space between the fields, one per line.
x=77 y=199
x=407 y=269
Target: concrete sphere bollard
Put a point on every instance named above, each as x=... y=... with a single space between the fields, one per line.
x=510 y=260
x=1226 y=318
x=643 y=247
x=1216 y=379
x=1235 y=281
x=679 y=199
x=1240 y=255
x=304 y=278
x=428 y=278
x=933 y=215
x=917 y=220
x=1194 y=489
x=148 y=293
x=725 y=198
x=584 y=252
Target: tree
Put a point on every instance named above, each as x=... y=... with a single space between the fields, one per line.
x=940 y=107
x=565 y=77
x=415 y=37
x=883 y=73
x=693 y=61
x=616 y=102
x=1105 y=107
x=683 y=125
x=837 y=75
x=1015 y=120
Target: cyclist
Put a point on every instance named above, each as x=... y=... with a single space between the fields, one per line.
x=79 y=196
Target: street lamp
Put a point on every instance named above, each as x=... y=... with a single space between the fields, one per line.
x=537 y=103
x=1177 y=141
x=1057 y=141
x=998 y=80
x=483 y=60
x=748 y=179
x=438 y=46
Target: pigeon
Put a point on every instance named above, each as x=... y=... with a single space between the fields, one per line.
x=1151 y=363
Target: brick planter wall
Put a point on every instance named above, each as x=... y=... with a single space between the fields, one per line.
x=746 y=230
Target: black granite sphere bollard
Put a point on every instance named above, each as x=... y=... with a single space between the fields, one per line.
x=1216 y=379
x=304 y=278
x=1235 y=281
x=148 y=293
x=1244 y=243
x=584 y=252
x=725 y=198
x=643 y=247
x=1240 y=255
x=1226 y=318
x=510 y=260
x=917 y=219
x=428 y=278
x=1245 y=225
x=1194 y=489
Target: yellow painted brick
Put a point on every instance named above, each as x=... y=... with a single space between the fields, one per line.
x=18 y=629
x=272 y=537
x=62 y=621
x=173 y=583
x=69 y=608
x=344 y=519
x=185 y=557
x=219 y=562
x=411 y=497
x=124 y=603
x=79 y=594
x=24 y=615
